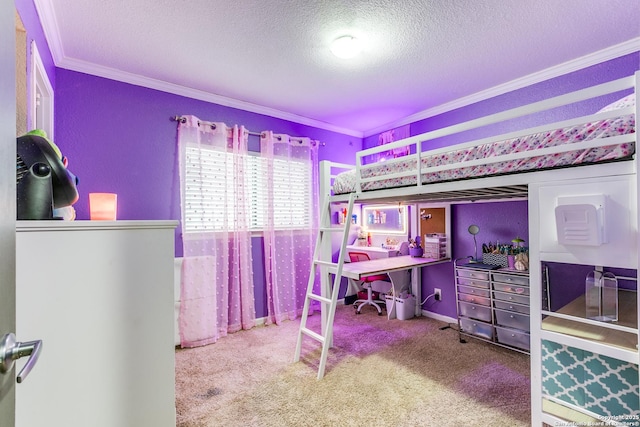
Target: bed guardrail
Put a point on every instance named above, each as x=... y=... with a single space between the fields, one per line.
x=418 y=150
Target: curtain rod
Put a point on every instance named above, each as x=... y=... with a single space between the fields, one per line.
x=182 y=119
x=213 y=125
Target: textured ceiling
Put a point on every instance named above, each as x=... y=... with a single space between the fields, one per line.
x=272 y=56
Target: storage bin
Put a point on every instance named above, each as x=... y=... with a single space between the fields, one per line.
x=513 y=338
x=404 y=307
x=512 y=279
x=485 y=293
x=435 y=246
x=474 y=274
x=474 y=327
x=391 y=307
x=473 y=282
x=475 y=311
x=516 y=289
x=474 y=299
x=512 y=319
x=505 y=305
x=507 y=296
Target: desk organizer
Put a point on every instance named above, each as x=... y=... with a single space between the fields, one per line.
x=435 y=246
x=495 y=259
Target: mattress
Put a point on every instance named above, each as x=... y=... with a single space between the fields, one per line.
x=346 y=181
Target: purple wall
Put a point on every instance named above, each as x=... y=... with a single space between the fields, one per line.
x=500 y=221
x=120 y=138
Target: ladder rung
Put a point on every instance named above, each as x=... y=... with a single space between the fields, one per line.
x=332 y=229
x=316 y=336
x=320 y=298
x=326 y=263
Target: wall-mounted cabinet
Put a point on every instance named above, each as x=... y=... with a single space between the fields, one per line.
x=614 y=198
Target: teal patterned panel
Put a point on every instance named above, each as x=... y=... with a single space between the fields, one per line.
x=597 y=383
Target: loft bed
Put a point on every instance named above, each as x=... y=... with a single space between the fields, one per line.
x=593 y=143
x=600 y=143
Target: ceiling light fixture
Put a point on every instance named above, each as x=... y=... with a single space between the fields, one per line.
x=346 y=47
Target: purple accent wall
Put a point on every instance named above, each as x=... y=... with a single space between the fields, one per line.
x=500 y=221
x=599 y=73
x=120 y=138
x=572 y=278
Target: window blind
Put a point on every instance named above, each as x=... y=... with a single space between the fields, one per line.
x=209 y=197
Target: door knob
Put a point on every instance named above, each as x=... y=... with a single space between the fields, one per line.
x=10 y=350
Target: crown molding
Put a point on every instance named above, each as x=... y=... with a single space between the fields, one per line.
x=138 y=80
x=50 y=28
x=44 y=8
x=594 y=58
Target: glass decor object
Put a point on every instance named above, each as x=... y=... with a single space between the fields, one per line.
x=601 y=296
x=103 y=206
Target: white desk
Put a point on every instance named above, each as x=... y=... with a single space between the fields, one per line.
x=374 y=252
x=396 y=268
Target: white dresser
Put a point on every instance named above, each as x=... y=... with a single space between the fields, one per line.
x=100 y=296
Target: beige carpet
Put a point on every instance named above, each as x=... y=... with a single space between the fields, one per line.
x=380 y=373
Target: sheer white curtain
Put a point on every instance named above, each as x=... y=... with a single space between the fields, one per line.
x=217 y=293
x=289 y=240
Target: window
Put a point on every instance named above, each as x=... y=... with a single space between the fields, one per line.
x=41 y=95
x=210 y=204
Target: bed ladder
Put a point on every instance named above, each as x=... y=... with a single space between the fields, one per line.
x=322 y=258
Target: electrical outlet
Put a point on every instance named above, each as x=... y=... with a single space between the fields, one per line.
x=438 y=294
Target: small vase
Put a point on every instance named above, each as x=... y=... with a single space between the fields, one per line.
x=511 y=261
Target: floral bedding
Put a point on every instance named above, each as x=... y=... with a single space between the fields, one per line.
x=346 y=181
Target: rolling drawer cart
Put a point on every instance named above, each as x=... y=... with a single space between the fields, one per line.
x=493 y=305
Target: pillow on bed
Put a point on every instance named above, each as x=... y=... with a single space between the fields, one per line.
x=627 y=101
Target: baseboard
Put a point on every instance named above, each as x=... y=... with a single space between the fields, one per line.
x=439 y=317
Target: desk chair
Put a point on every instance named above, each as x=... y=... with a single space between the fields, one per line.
x=367 y=283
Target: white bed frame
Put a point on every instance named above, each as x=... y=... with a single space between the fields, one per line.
x=485 y=188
